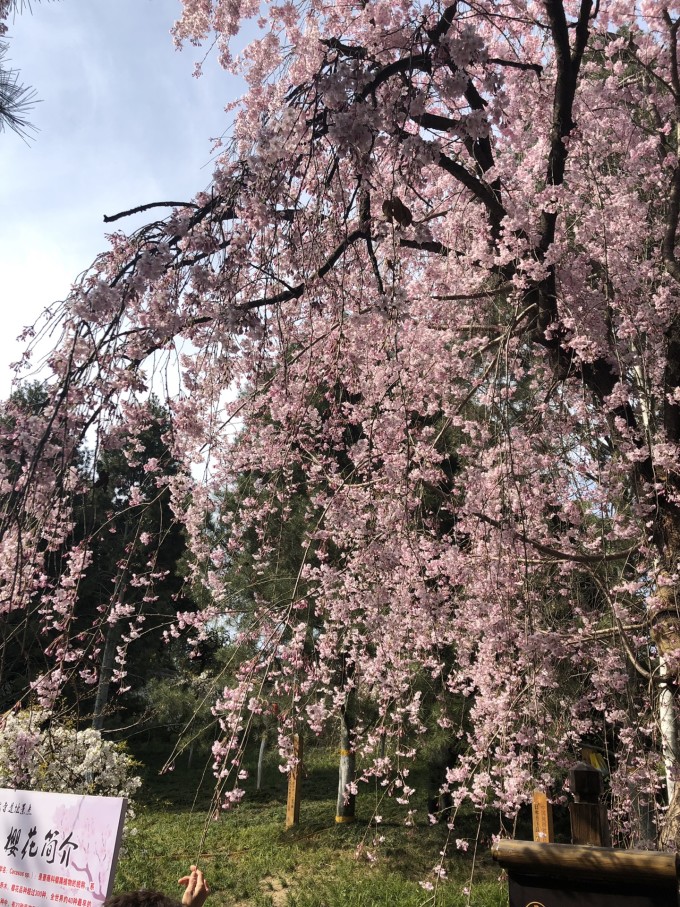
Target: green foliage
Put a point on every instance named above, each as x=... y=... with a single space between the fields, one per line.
x=16 y=99
x=276 y=579
x=179 y=703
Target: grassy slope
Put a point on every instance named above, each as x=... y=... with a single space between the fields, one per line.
x=251 y=861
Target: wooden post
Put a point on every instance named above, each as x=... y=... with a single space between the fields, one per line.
x=542 y=818
x=293 y=803
x=589 y=824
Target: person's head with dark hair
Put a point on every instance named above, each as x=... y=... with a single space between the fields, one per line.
x=142 y=898
x=195 y=893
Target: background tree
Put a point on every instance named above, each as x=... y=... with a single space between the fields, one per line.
x=132 y=581
x=16 y=100
x=137 y=575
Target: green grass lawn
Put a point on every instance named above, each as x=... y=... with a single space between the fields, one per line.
x=250 y=860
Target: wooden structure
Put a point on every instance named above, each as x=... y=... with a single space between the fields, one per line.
x=589 y=823
x=567 y=875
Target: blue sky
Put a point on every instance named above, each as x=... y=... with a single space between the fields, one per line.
x=121 y=121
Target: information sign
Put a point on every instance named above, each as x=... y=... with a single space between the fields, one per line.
x=58 y=849
x=542 y=818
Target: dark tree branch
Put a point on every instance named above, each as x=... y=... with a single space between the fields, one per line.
x=563 y=102
x=365 y=214
x=426 y=246
x=435 y=122
x=420 y=62
x=446 y=21
x=555 y=552
x=482 y=294
x=673 y=32
x=109 y=218
x=671 y=411
x=517 y=64
x=582 y=31
x=354 y=53
x=297 y=291
x=568 y=65
x=481 y=191
x=670 y=234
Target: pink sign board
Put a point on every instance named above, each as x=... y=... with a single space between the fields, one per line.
x=58 y=850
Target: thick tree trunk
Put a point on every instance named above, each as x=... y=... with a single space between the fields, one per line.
x=113 y=636
x=346 y=804
x=105 y=674
x=668 y=726
x=666 y=636
x=439 y=802
x=260 y=758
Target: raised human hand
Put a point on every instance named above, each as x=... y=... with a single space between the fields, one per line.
x=196 y=888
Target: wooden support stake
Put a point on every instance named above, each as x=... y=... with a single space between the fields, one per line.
x=542 y=818
x=293 y=803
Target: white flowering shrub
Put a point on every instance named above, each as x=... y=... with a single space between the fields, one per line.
x=37 y=752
